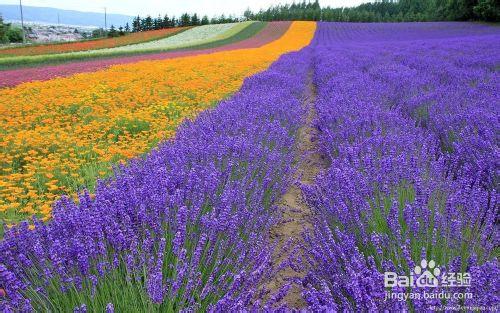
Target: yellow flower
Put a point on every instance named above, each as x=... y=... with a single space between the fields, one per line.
x=72 y=127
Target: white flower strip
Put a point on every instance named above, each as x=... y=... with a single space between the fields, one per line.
x=192 y=36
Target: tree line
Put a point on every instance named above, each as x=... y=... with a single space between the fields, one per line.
x=186 y=19
x=140 y=24
x=384 y=11
x=377 y=11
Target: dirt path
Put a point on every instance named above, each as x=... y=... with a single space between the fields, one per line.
x=296 y=214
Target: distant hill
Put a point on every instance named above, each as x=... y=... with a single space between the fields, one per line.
x=69 y=17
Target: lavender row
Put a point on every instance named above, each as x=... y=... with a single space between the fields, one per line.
x=452 y=90
x=183 y=227
x=396 y=190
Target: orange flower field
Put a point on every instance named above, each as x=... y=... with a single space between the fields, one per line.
x=128 y=39
x=59 y=136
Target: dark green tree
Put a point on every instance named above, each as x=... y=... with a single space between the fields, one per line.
x=174 y=22
x=157 y=22
x=112 y=32
x=185 y=20
x=136 y=24
x=166 y=21
x=248 y=14
x=195 y=20
x=147 y=23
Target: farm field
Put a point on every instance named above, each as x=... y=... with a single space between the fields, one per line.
x=182 y=38
x=296 y=169
x=134 y=38
x=79 y=126
x=270 y=32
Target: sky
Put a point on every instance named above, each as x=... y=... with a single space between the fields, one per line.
x=171 y=7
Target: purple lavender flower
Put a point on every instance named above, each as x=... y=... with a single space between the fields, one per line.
x=208 y=193
x=408 y=125
x=110 y=308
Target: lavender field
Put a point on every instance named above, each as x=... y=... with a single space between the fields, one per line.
x=408 y=121
x=357 y=174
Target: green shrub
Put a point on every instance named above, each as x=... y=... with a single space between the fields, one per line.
x=15 y=34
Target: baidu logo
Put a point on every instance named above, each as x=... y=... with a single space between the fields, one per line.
x=427 y=274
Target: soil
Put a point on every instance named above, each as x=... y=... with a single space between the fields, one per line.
x=297 y=215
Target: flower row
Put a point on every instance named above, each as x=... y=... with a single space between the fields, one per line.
x=185 y=227
x=60 y=135
x=130 y=39
x=408 y=128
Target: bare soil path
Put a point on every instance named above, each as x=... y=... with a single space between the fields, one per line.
x=297 y=215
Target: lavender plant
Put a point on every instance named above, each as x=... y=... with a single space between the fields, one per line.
x=408 y=124
x=183 y=228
